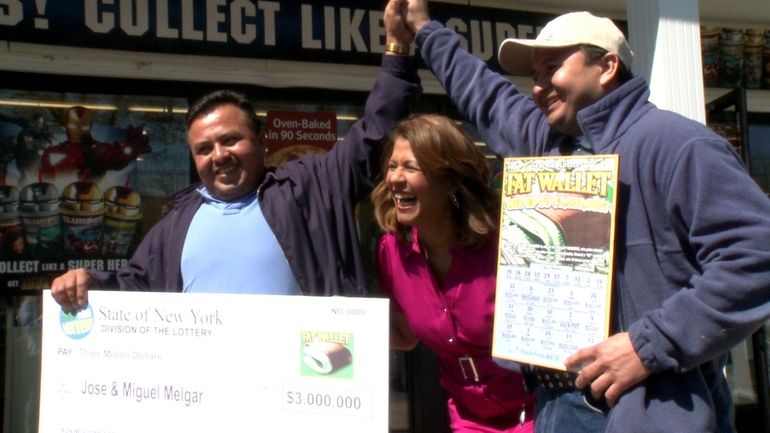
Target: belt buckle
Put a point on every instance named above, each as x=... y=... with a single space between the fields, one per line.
x=467 y=359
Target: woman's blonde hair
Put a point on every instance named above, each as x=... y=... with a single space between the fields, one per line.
x=445 y=153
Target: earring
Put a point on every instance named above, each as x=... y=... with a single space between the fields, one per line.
x=455 y=202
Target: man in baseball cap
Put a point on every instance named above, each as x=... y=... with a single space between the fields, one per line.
x=568 y=30
x=690 y=280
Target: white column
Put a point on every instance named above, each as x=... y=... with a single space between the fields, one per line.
x=665 y=38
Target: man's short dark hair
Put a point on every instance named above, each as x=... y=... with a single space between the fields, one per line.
x=207 y=103
x=594 y=54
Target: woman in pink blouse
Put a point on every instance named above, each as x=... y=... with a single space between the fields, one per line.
x=437 y=261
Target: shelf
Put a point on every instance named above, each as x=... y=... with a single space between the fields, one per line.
x=757 y=100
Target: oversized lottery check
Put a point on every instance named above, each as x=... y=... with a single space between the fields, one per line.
x=165 y=362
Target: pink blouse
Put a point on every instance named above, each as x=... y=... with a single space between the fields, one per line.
x=455 y=321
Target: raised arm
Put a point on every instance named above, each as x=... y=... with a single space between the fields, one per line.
x=509 y=122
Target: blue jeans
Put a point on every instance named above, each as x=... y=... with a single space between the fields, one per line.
x=566 y=412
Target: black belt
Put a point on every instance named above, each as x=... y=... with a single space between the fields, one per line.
x=555 y=380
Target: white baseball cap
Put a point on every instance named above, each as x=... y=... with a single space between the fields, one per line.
x=574 y=28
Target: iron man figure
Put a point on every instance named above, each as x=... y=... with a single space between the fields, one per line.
x=84 y=157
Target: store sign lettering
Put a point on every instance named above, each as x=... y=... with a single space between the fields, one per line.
x=11 y=12
x=291 y=134
x=133 y=18
x=338 y=31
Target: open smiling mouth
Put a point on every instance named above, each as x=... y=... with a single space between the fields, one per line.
x=405 y=200
x=224 y=171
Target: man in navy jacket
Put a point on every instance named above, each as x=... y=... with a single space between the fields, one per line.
x=303 y=235
x=692 y=265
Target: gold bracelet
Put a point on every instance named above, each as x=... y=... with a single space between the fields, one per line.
x=396 y=48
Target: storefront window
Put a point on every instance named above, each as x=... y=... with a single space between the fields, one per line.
x=82 y=177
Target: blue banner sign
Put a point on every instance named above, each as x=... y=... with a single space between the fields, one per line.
x=336 y=31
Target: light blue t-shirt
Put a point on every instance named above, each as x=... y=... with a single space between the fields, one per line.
x=230 y=248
